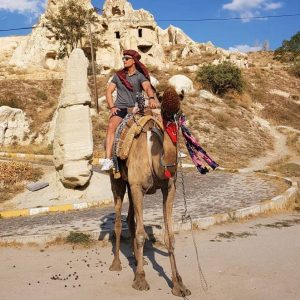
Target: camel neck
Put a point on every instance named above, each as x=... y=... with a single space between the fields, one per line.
x=170 y=150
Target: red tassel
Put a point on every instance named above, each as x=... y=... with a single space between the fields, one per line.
x=168 y=173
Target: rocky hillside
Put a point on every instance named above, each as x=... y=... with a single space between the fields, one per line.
x=234 y=128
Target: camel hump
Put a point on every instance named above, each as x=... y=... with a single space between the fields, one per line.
x=133 y=127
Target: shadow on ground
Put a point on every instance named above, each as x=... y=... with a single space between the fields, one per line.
x=151 y=249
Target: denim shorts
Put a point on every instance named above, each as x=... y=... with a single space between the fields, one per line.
x=121 y=112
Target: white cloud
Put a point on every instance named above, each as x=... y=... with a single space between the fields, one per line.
x=247 y=9
x=273 y=5
x=33 y=7
x=243 y=5
x=245 y=48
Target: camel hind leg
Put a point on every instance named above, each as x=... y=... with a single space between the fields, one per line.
x=118 y=187
x=179 y=289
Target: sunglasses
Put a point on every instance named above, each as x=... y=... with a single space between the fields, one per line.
x=125 y=58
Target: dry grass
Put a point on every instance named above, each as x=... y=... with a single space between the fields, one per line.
x=14 y=175
x=293 y=141
x=169 y=49
x=282 y=111
x=11 y=245
x=28 y=149
x=269 y=74
x=227 y=133
x=285 y=168
x=38 y=99
x=234 y=99
x=76 y=240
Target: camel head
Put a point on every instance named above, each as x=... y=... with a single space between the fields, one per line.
x=170 y=102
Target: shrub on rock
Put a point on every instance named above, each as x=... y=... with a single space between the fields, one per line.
x=221 y=78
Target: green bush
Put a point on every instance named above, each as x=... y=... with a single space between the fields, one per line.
x=78 y=238
x=289 y=50
x=221 y=78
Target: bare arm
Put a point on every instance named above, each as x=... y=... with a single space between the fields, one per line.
x=149 y=91
x=109 y=99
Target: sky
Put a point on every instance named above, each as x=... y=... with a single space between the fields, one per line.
x=243 y=35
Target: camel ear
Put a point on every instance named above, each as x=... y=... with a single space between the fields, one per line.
x=181 y=95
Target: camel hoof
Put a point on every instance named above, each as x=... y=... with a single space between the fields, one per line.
x=116 y=265
x=180 y=290
x=140 y=283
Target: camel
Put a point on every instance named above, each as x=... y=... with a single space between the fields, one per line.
x=140 y=173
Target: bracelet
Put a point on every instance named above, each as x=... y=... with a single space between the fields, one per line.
x=112 y=107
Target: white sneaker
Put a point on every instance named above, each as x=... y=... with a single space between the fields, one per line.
x=107 y=164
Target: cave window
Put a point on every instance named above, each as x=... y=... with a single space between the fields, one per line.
x=116 y=11
x=118 y=36
x=140 y=32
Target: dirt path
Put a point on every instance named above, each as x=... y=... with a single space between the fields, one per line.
x=279 y=151
x=258 y=259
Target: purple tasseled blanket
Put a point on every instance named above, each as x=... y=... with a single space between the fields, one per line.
x=197 y=153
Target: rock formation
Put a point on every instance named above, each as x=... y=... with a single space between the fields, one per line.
x=182 y=83
x=121 y=27
x=73 y=142
x=13 y=126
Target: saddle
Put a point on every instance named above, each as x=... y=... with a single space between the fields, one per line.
x=130 y=128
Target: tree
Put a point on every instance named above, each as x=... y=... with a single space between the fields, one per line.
x=265 y=46
x=221 y=78
x=289 y=50
x=70 y=26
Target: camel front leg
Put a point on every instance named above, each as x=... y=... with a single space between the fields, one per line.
x=131 y=226
x=118 y=187
x=139 y=282
x=179 y=288
x=131 y=223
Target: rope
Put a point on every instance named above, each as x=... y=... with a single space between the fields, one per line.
x=186 y=216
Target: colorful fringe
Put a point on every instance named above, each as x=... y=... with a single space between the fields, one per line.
x=197 y=153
